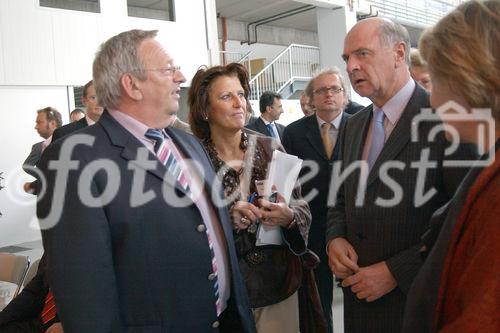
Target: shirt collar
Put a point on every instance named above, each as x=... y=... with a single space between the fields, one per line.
x=265 y=121
x=394 y=107
x=89 y=121
x=134 y=126
x=46 y=142
x=335 y=122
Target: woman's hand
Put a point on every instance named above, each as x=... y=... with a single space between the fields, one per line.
x=276 y=214
x=244 y=214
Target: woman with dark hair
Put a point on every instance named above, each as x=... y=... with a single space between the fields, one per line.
x=272 y=271
x=457 y=288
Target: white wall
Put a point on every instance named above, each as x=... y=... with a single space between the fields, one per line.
x=44 y=50
x=17 y=119
x=48 y=46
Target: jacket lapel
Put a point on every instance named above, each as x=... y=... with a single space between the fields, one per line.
x=208 y=177
x=357 y=136
x=131 y=147
x=336 y=149
x=82 y=123
x=130 y=151
x=401 y=134
x=280 y=128
x=261 y=127
x=314 y=137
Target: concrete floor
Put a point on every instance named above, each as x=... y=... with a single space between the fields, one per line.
x=34 y=251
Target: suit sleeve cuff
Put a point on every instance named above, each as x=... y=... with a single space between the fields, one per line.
x=404 y=266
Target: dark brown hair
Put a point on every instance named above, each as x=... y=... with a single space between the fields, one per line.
x=86 y=87
x=198 y=94
x=51 y=114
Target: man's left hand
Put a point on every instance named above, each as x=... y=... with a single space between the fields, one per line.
x=371 y=282
x=55 y=328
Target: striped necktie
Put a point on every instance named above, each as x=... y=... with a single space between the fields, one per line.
x=49 y=309
x=165 y=154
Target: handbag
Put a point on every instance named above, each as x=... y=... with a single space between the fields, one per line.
x=312 y=319
x=272 y=273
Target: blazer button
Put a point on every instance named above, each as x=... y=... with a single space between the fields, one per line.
x=215 y=324
x=201 y=228
x=211 y=276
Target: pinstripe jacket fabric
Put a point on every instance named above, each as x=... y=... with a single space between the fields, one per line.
x=389 y=234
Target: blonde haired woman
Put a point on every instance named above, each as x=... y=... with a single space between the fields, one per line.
x=457 y=288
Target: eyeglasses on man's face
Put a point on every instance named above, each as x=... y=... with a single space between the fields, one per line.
x=168 y=71
x=324 y=90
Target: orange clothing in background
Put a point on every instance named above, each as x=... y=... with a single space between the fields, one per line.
x=468 y=298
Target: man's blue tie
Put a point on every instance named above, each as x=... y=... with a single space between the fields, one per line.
x=378 y=137
x=271 y=130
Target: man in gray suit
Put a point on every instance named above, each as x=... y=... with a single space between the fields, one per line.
x=47 y=121
x=373 y=233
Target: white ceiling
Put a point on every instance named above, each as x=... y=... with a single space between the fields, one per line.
x=248 y=11
x=253 y=10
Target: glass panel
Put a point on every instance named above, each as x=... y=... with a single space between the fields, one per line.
x=81 y=5
x=152 y=9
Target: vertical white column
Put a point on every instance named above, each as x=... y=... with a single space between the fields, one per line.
x=211 y=32
x=333 y=25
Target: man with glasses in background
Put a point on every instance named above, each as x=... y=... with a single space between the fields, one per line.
x=314 y=139
x=93 y=111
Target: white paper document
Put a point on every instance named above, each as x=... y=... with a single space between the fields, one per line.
x=283 y=173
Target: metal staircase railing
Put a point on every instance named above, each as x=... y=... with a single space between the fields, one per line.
x=296 y=62
x=227 y=57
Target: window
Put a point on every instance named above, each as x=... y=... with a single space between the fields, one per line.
x=78 y=94
x=81 y=5
x=152 y=9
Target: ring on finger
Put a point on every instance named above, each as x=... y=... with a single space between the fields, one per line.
x=244 y=220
